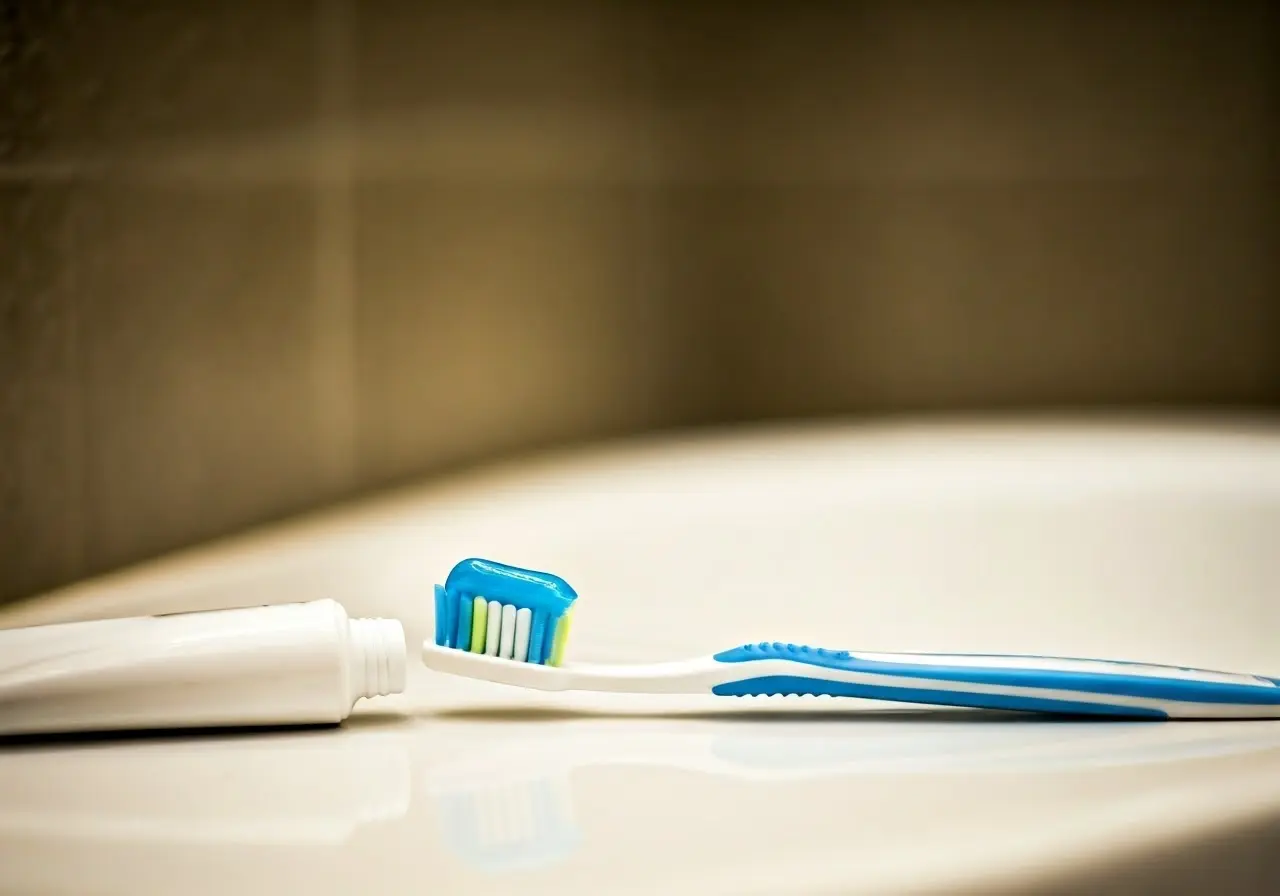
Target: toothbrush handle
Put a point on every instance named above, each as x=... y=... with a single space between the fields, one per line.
x=1022 y=683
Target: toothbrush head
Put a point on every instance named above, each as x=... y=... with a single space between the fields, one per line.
x=504 y=611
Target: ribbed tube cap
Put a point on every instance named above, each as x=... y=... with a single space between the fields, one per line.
x=378 y=657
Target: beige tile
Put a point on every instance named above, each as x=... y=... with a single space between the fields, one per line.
x=201 y=396
x=496 y=317
x=115 y=78
x=255 y=256
x=1023 y=295
x=42 y=445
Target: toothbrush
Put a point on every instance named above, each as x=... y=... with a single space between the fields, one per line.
x=510 y=625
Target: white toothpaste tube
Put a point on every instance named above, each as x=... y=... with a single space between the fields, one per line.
x=290 y=664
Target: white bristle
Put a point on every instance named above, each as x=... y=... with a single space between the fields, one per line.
x=507 y=642
x=495 y=627
x=524 y=622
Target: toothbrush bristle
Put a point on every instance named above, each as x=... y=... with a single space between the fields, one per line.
x=528 y=622
x=506 y=631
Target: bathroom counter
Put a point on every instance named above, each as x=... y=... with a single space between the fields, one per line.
x=1152 y=543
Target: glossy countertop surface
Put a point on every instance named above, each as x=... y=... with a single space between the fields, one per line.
x=1152 y=543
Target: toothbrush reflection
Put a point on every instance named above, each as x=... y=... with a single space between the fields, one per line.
x=510 y=806
x=479 y=794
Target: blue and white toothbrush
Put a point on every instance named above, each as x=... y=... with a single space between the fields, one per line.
x=510 y=625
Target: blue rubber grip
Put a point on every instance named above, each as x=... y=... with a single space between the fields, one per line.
x=1113 y=682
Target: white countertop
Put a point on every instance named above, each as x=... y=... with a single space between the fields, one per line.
x=1157 y=544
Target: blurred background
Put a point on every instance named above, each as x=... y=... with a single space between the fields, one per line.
x=260 y=256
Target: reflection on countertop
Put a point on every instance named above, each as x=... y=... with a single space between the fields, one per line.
x=491 y=790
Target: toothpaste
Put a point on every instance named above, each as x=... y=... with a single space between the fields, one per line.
x=290 y=664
